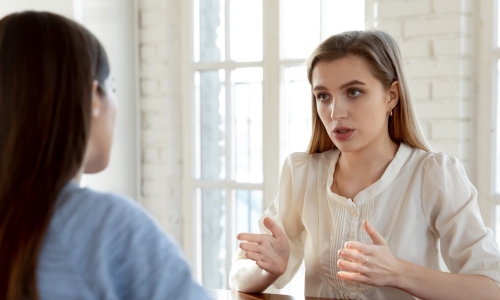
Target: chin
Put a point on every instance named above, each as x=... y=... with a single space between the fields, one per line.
x=347 y=146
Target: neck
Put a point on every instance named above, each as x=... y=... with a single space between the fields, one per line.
x=78 y=176
x=368 y=162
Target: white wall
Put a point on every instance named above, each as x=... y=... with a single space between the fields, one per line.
x=114 y=24
x=160 y=37
x=438 y=43
x=63 y=7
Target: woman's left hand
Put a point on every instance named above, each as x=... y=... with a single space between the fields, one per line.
x=370 y=264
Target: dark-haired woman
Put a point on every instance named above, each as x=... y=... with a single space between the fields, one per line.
x=57 y=240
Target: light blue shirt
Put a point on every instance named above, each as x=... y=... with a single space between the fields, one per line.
x=104 y=246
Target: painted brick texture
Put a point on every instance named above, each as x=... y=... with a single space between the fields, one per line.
x=161 y=142
x=436 y=41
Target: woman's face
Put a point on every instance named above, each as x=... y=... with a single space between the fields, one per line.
x=353 y=105
x=104 y=109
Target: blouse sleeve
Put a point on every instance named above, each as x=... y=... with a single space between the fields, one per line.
x=286 y=212
x=449 y=202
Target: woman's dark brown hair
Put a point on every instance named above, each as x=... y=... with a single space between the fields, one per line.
x=381 y=52
x=47 y=68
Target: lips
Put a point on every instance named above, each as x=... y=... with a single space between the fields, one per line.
x=343 y=133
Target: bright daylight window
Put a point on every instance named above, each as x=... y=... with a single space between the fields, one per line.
x=228 y=69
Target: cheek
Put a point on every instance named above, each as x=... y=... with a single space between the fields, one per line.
x=373 y=117
x=111 y=113
x=323 y=112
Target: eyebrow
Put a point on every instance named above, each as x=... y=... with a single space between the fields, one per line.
x=320 y=88
x=352 y=82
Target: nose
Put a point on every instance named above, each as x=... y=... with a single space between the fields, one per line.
x=337 y=109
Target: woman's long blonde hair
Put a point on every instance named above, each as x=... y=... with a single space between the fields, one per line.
x=381 y=52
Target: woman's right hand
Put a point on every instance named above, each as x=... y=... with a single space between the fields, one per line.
x=269 y=251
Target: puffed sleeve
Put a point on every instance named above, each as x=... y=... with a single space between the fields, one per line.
x=286 y=212
x=449 y=202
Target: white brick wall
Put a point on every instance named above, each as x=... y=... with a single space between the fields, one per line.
x=437 y=44
x=159 y=44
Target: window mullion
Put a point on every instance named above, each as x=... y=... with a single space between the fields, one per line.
x=191 y=236
x=229 y=138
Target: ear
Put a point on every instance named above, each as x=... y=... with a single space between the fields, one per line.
x=96 y=100
x=393 y=94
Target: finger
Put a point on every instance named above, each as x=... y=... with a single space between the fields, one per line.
x=352 y=255
x=250 y=247
x=275 y=229
x=252 y=237
x=351 y=266
x=352 y=276
x=374 y=235
x=358 y=246
x=253 y=255
x=264 y=265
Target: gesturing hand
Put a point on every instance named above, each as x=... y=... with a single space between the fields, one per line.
x=370 y=264
x=269 y=251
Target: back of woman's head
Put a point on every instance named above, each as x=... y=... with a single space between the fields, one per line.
x=382 y=54
x=47 y=68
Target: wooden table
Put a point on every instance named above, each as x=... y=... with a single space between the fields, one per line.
x=231 y=295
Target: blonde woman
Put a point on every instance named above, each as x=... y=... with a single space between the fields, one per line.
x=370 y=209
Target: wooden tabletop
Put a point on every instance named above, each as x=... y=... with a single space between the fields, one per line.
x=231 y=295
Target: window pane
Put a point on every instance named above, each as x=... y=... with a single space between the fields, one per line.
x=300 y=27
x=210 y=135
x=247 y=124
x=248 y=210
x=209 y=30
x=339 y=16
x=246 y=30
x=295 y=112
x=213 y=226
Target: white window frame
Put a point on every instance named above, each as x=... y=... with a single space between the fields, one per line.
x=273 y=69
x=192 y=215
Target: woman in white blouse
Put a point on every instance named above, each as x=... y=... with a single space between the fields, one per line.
x=369 y=208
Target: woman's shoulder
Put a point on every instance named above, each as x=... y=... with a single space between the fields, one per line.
x=80 y=213
x=437 y=164
x=304 y=158
x=77 y=202
x=438 y=160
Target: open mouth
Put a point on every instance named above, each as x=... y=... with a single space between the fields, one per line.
x=343 y=131
x=343 y=134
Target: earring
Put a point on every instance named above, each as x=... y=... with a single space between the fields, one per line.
x=390 y=114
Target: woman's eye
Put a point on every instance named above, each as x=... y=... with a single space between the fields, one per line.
x=322 y=97
x=353 y=93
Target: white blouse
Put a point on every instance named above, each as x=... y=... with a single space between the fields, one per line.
x=424 y=205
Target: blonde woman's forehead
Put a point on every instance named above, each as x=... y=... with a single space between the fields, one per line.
x=339 y=72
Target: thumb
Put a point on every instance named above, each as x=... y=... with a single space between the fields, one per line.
x=275 y=229
x=377 y=239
